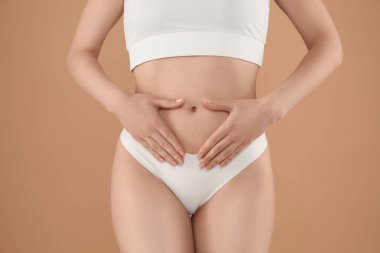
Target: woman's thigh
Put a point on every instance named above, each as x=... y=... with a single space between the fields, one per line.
x=240 y=216
x=146 y=215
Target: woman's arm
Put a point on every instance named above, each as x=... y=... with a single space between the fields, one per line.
x=98 y=17
x=249 y=118
x=325 y=54
x=137 y=113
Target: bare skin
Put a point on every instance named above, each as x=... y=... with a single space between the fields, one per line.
x=147 y=217
x=143 y=205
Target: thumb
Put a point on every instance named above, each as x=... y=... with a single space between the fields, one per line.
x=218 y=104
x=168 y=102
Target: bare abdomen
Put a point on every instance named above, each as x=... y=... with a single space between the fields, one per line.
x=195 y=78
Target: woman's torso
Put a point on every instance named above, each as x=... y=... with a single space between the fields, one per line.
x=194 y=78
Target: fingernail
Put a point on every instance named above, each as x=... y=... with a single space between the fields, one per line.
x=178 y=100
x=200 y=155
x=179 y=160
x=181 y=152
x=207 y=100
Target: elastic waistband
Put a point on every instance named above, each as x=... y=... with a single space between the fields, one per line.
x=256 y=147
x=196 y=43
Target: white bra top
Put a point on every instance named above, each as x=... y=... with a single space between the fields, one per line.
x=164 y=28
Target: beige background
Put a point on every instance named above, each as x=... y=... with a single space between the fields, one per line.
x=57 y=144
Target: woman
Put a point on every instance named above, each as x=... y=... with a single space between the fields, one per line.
x=192 y=168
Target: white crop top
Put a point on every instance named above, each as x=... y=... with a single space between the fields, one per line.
x=164 y=28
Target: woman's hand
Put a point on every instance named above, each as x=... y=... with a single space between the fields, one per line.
x=247 y=119
x=138 y=114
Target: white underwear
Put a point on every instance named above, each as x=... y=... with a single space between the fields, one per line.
x=192 y=185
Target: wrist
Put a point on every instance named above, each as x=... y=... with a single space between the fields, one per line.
x=276 y=110
x=117 y=100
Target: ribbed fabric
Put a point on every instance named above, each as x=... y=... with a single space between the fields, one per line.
x=167 y=28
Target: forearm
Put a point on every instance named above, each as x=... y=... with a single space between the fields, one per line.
x=320 y=62
x=90 y=76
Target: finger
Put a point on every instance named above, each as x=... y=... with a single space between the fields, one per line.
x=215 y=137
x=166 y=146
x=149 y=148
x=168 y=102
x=233 y=154
x=156 y=147
x=222 y=155
x=218 y=104
x=171 y=138
x=215 y=150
